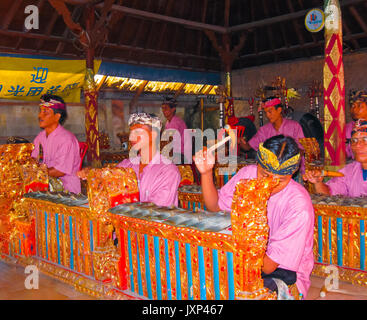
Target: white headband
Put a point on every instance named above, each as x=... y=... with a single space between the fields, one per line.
x=145 y=118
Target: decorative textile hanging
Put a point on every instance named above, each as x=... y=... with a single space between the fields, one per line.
x=334 y=90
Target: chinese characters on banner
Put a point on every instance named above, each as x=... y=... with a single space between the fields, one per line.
x=28 y=79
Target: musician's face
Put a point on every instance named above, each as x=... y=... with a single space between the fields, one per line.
x=273 y=114
x=359 y=146
x=283 y=180
x=167 y=111
x=359 y=110
x=47 y=117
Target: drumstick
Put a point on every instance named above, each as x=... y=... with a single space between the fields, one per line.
x=219 y=144
x=326 y=173
x=231 y=135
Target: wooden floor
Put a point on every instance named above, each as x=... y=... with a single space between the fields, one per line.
x=12 y=287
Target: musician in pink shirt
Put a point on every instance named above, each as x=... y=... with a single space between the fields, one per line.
x=348 y=135
x=277 y=125
x=158 y=177
x=354 y=181
x=289 y=255
x=60 y=148
x=175 y=123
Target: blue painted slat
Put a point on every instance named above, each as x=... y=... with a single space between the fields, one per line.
x=140 y=284
x=57 y=237
x=46 y=235
x=362 y=244
x=230 y=275
x=147 y=267
x=157 y=267
x=178 y=274
x=71 y=243
x=168 y=274
x=202 y=273
x=190 y=288
x=216 y=274
x=339 y=240
x=319 y=238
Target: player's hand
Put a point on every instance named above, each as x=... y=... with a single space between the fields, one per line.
x=204 y=161
x=82 y=174
x=313 y=176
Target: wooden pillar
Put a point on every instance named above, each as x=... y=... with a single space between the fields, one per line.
x=91 y=98
x=334 y=90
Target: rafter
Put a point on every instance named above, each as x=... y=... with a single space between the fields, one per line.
x=162 y=33
x=160 y=17
x=312 y=44
x=359 y=19
x=348 y=32
x=10 y=14
x=49 y=28
x=203 y=17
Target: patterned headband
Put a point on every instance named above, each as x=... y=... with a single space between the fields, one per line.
x=360 y=95
x=269 y=161
x=53 y=104
x=272 y=103
x=145 y=118
x=359 y=126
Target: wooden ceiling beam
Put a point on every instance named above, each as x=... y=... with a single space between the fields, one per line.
x=348 y=32
x=203 y=17
x=61 y=45
x=357 y=16
x=268 y=28
x=299 y=47
x=227 y=8
x=49 y=29
x=159 y=52
x=14 y=9
x=285 y=17
x=161 y=17
x=164 y=27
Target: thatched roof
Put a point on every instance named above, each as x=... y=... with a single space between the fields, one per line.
x=180 y=34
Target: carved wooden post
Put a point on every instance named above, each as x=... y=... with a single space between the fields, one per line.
x=91 y=98
x=250 y=235
x=228 y=56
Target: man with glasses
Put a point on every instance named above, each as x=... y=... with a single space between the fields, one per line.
x=354 y=182
x=358 y=110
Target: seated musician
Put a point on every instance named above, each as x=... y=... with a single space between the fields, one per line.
x=354 y=182
x=358 y=110
x=289 y=254
x=58 y=146
x=158 y=177
x=177 y=124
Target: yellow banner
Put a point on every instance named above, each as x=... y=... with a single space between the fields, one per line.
x=28 y=79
